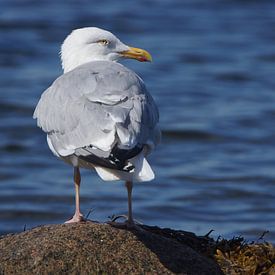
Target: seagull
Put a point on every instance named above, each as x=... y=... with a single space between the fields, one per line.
x=98 y=114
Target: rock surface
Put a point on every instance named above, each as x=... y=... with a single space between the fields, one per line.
x=93 y=248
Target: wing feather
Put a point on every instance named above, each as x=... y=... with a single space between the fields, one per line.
x=99 y=104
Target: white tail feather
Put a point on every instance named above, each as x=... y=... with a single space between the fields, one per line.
x=142 y=171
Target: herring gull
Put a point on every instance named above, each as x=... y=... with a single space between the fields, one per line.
x=98 y=114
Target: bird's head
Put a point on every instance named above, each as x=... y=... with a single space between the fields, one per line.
x=91 y=44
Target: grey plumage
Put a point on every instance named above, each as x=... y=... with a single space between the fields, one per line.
x=100 y=103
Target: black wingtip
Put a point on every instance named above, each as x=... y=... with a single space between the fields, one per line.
x=117 y=160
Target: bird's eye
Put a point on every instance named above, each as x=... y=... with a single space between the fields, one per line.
x=103 y=42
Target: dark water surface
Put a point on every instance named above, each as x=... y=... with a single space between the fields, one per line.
x=213 y=78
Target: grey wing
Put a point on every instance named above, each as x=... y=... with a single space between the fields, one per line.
x=97 y=108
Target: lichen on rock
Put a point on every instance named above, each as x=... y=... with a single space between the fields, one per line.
x=93 y=248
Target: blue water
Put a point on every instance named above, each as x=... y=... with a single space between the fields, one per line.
x=213 y=78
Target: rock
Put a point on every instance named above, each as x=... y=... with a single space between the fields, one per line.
x=93 y=248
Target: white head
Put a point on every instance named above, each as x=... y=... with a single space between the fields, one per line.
x=90 y=44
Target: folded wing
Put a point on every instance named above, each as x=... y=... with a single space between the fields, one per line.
x=100 y=105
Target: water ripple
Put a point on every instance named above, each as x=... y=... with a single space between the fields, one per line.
x=213 y=80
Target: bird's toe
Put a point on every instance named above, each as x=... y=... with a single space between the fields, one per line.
x=76 y=218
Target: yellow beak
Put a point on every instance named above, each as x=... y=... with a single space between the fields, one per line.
x=138 y=54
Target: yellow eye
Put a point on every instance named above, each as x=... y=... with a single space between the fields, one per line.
x=103 y=41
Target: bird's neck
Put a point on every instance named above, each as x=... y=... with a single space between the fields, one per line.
x=68 y=64
x=72 y=59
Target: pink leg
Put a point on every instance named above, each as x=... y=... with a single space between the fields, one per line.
x=129 y=186
x=78 y=217
x=129 y=223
